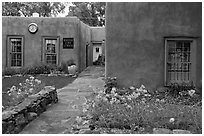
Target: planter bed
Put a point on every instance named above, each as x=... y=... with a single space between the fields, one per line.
x=14 y=119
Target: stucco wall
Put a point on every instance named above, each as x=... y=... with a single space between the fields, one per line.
x=85 y=38
x=135 y=39
x=97 y=33
x=61 y=27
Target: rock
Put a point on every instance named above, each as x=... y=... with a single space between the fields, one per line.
x=85 y=131
x=180 y=131
x=161 y=131
x=20 y=119
x=31 y=116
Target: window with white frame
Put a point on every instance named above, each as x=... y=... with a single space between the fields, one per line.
x=178 y=60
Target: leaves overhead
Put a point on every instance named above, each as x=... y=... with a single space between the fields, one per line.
x=45 y=9
x=91 y=13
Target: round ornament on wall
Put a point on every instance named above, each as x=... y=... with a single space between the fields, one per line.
x=32 y=28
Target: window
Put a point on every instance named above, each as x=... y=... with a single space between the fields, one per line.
x=51 y=47
x=15 y=51
x=97 y=49
x=178 y=61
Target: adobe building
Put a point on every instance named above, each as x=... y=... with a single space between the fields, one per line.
x=52 y=40
x=154 y=44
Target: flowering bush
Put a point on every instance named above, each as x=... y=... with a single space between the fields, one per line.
x=137 y=109
x=17 y=94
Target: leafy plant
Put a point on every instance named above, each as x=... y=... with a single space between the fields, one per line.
x=175 y=89
x=39 y=68
x=139 y=110
x=16 y=94
x=9 y=71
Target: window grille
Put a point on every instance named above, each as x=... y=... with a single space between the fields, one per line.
x=178 y=61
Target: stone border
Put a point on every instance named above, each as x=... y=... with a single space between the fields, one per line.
x=14 y=119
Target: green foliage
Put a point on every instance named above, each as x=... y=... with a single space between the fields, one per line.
x=9 y=72
x=91 y=13
x=45 y=9
x=175 y=88
x=136 y=109
x=39 y=68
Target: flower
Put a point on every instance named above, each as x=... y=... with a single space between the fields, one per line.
x=129 y=107
x=31 y=77
x=171 y=120
x=113 y=89
x=30 y=90
x=191 y=92
x=13 y=88
x=132 y=88
x=26 y=80
x=20 y=84
x=38 y=81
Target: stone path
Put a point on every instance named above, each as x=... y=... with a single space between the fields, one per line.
x=58 y=118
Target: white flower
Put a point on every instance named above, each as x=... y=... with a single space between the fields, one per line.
x=13 y=88
x=38 y=81
x=78 y=119
x=30 y=90
x=20 y=84
x=132 y=88
x=32 y=78
x=19 y=90
x=113 y=89
x=191 y=92
x=142 y=87
x=130 y=107
x=145 y=91
x=171 y=120
x=27 y=80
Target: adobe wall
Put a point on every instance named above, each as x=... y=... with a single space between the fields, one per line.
x=68 y=27
x=85 y=38
x=135 y=39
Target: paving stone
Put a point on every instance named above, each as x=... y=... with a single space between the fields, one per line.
x=162 y=131
x=180 y=131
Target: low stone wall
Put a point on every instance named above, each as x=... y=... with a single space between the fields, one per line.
x=14 y=119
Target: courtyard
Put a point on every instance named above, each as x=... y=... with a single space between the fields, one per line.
x=102 y=68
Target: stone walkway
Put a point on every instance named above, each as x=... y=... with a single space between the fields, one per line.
x=58 y=118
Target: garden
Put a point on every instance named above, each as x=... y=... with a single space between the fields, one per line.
x=17 y=84
x=176 y=109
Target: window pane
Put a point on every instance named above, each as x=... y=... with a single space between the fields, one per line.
x=18 y=62
x=18 y=49
x=19 y=56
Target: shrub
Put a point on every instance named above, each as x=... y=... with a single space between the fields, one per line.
x=136 y=108
x=9 y=72
x=39 y=68
x=175 y=89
